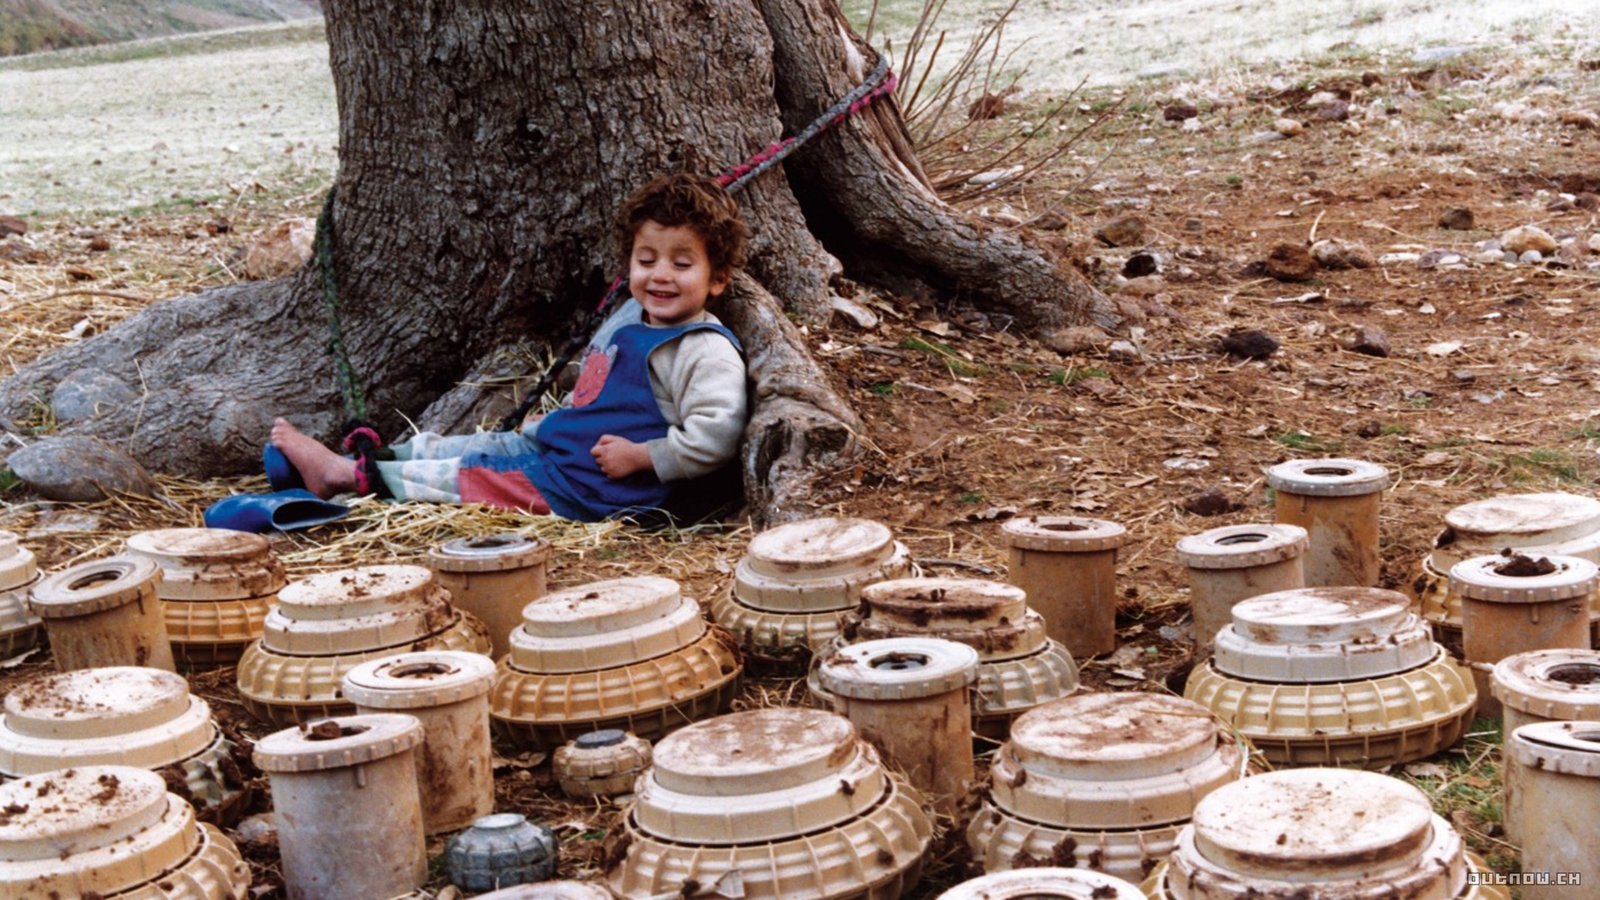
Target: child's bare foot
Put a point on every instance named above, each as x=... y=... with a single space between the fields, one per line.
x=325 y=472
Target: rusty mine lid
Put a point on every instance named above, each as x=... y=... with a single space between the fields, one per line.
x=1063 y=534
x=1328 y=477
x=119 y=714
x=1042 y=883
x=1242 y=546
x=899 y=669
x=491 y=553
x=1322 y=634
x=419 y=680
x=90 y=829
x=17 y=567
x=933 y=605
x=1567 y=748
x=97 y=586
x=356 y=610
x=1517 y=578
x=794 y=772
x=361 y=739
x=1113 y=737
x=1561 y=683
x=605 y=624
x=210 y=563
x=816 y=565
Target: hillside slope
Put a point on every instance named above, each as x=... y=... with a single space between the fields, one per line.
x=29 y=26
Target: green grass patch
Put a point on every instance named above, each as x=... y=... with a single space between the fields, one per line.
x=1467 y=779
x=1541 y=463
x=1588 y=431
x=1073 y=376
x=8 y=480
x=1306 y=441
x=947 y=355
x=882 y=388
x=971 y=497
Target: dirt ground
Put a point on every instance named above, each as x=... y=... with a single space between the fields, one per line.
x=1490 y=382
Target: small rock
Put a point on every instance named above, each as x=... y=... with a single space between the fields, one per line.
x=1594 y=242
x=1580 y=118
x=99 y=243
x=1210 y=502
x=1392 y=259
x=88 y=392
x=1336 y=111
x=1193 y=225
x=1457 y=218
x=1332 y=253
x=1126 y=351
x=1076 y=339
x=1463 y=376
x=1123 y=231
x=1288 y=127
x=282 y=250
x=854 y=313
x=10 y=225
x=1291 y=262
x=79 y=273
x=1250 y=343
x=1192 y=125
x=1368 y=339
x=1437 y=54
x=1050 y=221
x=1531 y=257
x=259 y=830
x=1434 y=259
x=1528 y=237
x=218 y=226
x=1139 y=265
x=1370 y=430
x=79 y=469
x=1351 y=127
x=989 y=106
x=1180 y=111
x=1587 y=202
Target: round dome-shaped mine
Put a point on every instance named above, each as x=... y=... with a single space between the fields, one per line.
x=210 y=563
x=17 y=566
x=1044 y=883
x=143 y=717
x=356 y=610
x=1322 y=634
x=604 y=625
x=815 y=566
x=490 y=553
x=934 y=605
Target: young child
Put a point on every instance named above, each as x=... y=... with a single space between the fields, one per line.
x=660 y=399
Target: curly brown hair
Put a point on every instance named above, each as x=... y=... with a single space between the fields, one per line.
x=693 y=200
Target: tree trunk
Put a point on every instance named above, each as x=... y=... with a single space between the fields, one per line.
x=483 y=149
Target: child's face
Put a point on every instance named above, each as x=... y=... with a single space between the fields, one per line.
x=670 y=274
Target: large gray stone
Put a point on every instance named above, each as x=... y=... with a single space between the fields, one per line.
x=88 y=392
x=80 y=469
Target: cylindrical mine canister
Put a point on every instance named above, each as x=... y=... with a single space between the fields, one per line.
x=104 y=831
x=1557 y=805
x=104 y=613
x=909 y=696
x=501 y=850
x=327 y=624
x=1042 y=883
x=1542 y=686
x=120 y=715
x=1100 y=781
x=493 y=578
x=629 y=653
x=790 y=802
x=1237 y=562
x=347 y=806
x=1317 y=833
x=448 y=692
x=1512 y=603
x=19 y=627
x=1336 y=502
x=795 y=579
x=602 y=763
x=1334 y=676
x=1068 y=568
x=216 y=587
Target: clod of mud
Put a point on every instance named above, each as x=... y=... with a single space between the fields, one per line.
x=1291 y=262
x=1518 y=565
x=1457 y=218
x=1210 y=502
x=1249 y=343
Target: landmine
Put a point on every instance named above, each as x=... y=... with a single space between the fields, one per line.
x=447 y=691
x=1067 y=565
x=1044 y=883
x=1512 y=603
x=1237 y=562
x=104 y=613
x=551 y=890
x=628 y=653
x=327 y=624
x=795 y=580
x=493 y=578
x=216 y=587
x=1019 y=667
x=1552 y=524
x=1335 y=676
x=600 y=764
x=778 y=803
x=499 y=851
x=111 y=831
x=20 y=629
x=1336 y=501
x=345 y=801
x=1101 y=782
x=1334 y=834
x=114 y=716
x=1541 y=686
x=1557 y=804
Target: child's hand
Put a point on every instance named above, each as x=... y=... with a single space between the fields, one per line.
x=619 y=457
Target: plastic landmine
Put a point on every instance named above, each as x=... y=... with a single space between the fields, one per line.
x=603 y=763
x=1327 y=833
x=1560 y=685
x=1067 y=565
x=1237 y=562
x=104 y=613
x=1100 y=781
x=1336 y=501
x=347 y=807
x=771 y=803
x=216 y=587
x=20 y=629
x=629 y=653
x=1042 y=882
x=793 y=582
x=111 y=831
x=119 y=715
x=493 y=578
x=1557 y=803
x=1335 y=676
x=329 y=623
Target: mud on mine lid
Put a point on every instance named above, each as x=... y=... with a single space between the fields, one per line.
x=946 y=604
x=1113 y=737
x=605 y=624
x=210 y=563
x=90 y=829
x=1328 y=477
x=1560 y=683
x=1242 y=546
x=1063 y=534
x=356 y=610
x=419 y=680
x=816 y=565
x=1044 y=882
x=17 y=567
x=490 y=553
x=899 y=669
x=338 y=742
x=1517 y=578
x=1323 y=634
x=117 y=714
x=1568 y=748
x=96 y=586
